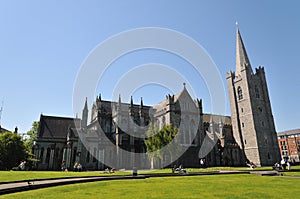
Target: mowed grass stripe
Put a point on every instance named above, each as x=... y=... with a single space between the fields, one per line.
x=214 y=186
x=9 y=176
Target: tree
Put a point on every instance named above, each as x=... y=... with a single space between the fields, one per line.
x=32 y=135
x=161 y=142
x=12 y=149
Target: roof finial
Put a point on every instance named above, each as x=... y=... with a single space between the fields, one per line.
x=119 y=98
x=237 y=24
x=142 y=104
x=85 y=104
x=184 y=84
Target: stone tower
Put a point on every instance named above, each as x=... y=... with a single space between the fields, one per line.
x=252 y=119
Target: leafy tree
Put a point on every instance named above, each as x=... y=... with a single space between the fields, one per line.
x=159 y=142
x=12 y=149
x=32 y=135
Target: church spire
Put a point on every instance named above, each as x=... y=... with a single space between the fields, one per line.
x=85 y=105
x=242 y=60
x=84 y=116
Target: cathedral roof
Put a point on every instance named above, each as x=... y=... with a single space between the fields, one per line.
x=56 y=127
x=216 y=118
x=184 y=92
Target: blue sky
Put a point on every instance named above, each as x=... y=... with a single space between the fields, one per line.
x=44 y=43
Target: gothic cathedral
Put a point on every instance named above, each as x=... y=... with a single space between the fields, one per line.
x=113 y=138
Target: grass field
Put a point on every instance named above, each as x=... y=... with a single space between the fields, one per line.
x=213 y=186
x=8 y=176
x=207 y=186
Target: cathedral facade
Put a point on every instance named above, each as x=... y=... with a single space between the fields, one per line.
x=115 y=135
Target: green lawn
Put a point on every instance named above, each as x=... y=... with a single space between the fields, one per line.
x=7 y=176
x=213 y=186
x=197 y=170
x=291 y=173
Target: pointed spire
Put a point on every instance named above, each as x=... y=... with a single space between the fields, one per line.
x=141 y=111
x=131 y=107
x=142 y=104
x=85 y=105
x=200 y=107
x=242 y=60
x=84 y=116
x=131 y=102
x=119 y=98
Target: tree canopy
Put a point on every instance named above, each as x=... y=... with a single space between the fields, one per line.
x=158 y=142
x=13 y=150
x=32 y=135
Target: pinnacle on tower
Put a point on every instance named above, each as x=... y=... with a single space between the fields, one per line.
x=142 y=104
x=242 y=60
x=85 y=105
x=119 y=99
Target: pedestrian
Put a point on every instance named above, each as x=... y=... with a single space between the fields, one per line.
x=63 y=166
x=283 y=164
x=79 y=167
x=22 y=165
x=201 y=163
x=76 y=166
x=289 y=165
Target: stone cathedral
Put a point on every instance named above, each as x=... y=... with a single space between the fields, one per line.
x=114 y=135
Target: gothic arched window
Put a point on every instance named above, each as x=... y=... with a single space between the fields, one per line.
x=42 y=155
x=95 y=155
x=163 y=121
x=193 y=131
x=107 y=126
x=88 y=155
x=240 y=93
x=48 y=155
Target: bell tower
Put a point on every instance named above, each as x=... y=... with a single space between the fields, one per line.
x=252 y=119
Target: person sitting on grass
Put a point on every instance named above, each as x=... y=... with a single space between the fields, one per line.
x=275 y=166
x=79 y=167
x=22 y=166
x=283 y=164
x=251 y=165
x=181 y=170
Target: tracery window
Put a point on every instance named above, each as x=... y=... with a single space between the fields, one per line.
x=240 y=93
x=107 y=126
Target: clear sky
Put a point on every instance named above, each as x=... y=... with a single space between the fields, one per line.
x=44 y=43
